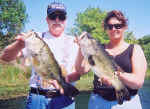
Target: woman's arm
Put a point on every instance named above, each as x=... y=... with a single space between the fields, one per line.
x=135 y=79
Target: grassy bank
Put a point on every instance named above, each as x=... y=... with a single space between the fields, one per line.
x=14 y=88
x=13 y=82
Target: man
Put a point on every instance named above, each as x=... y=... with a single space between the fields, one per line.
x=66 y=52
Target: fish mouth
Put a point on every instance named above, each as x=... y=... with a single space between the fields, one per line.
x=85 y=34
x=82 y=35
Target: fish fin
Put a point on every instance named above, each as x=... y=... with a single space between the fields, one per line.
x=35 y=61
x=28 y=34
x=63 y=71
x=90 y=60
x=27 y=61
x=70 y=90
x=122 y=95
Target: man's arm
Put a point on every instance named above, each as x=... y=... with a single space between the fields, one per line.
x=81 y=67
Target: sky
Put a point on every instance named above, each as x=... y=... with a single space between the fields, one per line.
x=136 y=11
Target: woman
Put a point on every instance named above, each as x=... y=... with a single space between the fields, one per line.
x=129 y=57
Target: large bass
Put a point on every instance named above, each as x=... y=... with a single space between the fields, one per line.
x=102 y=64
x=45 y=64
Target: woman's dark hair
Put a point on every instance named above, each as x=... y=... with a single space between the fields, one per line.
x=117 y=14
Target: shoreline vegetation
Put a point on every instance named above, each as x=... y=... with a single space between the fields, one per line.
x=14 y=87
x=15 y=82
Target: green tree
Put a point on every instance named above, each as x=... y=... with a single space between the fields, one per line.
x=146 y=48
x=12 y=19
x=130 y=38
x=91 y=21
x=144 y=40
x=145 y=43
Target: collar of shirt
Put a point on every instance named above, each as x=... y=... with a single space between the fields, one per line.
x=50 y=36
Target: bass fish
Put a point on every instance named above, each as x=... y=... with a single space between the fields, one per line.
x=102 y=64
x=45 y=64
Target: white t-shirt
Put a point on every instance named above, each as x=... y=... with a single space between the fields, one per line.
x=65 y=52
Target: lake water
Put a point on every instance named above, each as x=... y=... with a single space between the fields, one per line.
x=145 y=95
x=82 y=100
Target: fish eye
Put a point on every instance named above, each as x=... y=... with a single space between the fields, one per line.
x=89 y=36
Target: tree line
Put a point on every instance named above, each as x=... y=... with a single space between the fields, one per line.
x=13 y=17
x=12 y=20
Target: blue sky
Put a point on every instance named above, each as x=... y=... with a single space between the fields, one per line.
x=137 y=12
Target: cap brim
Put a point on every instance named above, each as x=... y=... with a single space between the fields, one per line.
x=56 y=10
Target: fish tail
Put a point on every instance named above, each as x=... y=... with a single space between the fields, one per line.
x=70 y=90
x=122 y=95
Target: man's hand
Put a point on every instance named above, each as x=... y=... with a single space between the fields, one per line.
x=11 y=51
x=82 y=66
x=78 y=38
x=20 y=38
x=23 y=36
x=56 y=85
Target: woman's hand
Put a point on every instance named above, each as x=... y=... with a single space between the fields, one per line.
x=105 y=80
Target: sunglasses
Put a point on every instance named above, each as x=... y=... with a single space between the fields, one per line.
x=116 y=26
x=53 y=16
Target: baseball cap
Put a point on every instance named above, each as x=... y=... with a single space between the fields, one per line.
x=56 y=7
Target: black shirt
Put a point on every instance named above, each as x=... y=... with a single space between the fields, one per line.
x=124 y=61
